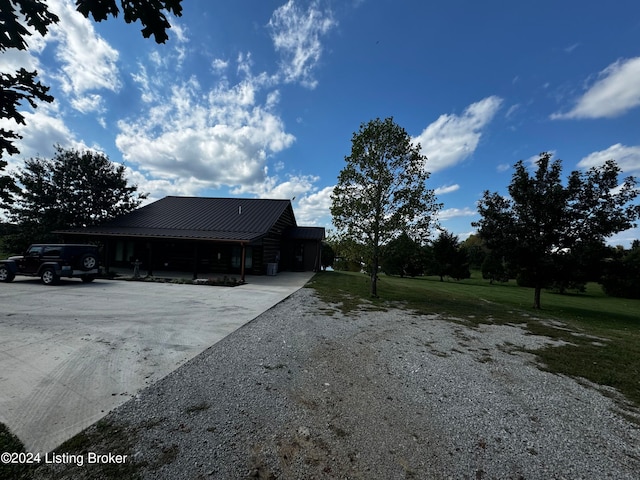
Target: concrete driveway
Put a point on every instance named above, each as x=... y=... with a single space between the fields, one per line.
x=72 y=352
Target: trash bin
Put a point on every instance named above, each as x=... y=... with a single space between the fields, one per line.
x=272 y=268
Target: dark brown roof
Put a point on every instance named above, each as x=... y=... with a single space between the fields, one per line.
x=226 y=219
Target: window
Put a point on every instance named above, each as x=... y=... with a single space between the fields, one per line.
x=34 y=251
x=52 y=251
x=236 y=257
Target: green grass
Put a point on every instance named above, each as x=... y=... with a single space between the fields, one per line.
x=603 y=332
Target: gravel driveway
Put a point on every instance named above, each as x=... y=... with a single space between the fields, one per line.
x=300 y=393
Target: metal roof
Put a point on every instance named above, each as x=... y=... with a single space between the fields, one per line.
x=305 y=233
x=203 y=218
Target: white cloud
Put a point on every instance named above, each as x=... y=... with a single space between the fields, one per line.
x=615 y=92
x=271 y=187
x=503 y=167
x=218 y=65
x=296 y=35
x=43 y=129
x=13 y=60
x=311 y=205
x=624 y=238
x=512 y=109
x=179 y=30
x=627 y=158
x=313 y=209
x=159 y=188
x=446 y=189
x=143 y=80
x=89 y=63
x=452 y=138
x=571 y=47
x=449 y=213
x=221 y=137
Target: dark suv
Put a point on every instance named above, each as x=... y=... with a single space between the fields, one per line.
x=50 y=262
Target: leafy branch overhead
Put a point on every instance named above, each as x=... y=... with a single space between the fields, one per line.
x=149 y=12
x=20 y=17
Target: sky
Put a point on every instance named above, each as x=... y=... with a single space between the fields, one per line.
x=261 y=98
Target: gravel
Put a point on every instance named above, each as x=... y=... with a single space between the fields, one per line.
x=305 y=392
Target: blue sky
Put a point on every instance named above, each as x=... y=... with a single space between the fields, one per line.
x=261 y=98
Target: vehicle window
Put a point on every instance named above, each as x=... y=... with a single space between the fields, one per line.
x=34 y=250
x=51 y=251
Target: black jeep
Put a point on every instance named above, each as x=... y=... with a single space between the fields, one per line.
x=52 y=261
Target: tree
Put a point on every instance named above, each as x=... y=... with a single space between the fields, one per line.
x=449 y=259
x=7 y=187
x=403 y=256
x=476 y=249
x=327 y=255
x=348 y=254
x=17 y=16
x=494 y=268
x=74 y=189
x=544 y=219
x=382 y=191
x=622 y=275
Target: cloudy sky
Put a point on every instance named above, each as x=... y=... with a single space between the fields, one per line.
x=260 y=98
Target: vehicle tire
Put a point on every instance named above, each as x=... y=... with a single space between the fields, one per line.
x=87 y=278
x=49 y=276
x=88 y=262
x=6 y=275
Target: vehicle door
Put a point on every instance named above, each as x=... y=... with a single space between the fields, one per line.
x=32 y=259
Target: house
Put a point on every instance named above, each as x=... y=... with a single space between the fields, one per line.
x=207 y=235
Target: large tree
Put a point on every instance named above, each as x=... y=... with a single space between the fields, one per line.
x=19 y=17
x=403 y=256
x=74 y=189
x=382 y=190
x=544 y=218
x=622 y=273
x=449 y=259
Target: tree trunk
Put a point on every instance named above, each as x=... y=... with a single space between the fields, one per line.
x=536 y=297
x=374 y=277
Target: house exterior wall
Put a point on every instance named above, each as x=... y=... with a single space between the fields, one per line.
x=190 y=250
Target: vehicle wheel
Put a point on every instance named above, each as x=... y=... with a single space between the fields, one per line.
x=87 y=278
x=5 y=274
x=49 y=277
x=88 y=262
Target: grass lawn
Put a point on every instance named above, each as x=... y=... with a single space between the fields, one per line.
x=611 y=359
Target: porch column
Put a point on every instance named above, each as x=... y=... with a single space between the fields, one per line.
x=195 y=260
x=242 y=258
x=149 y=259
x=107 y=254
